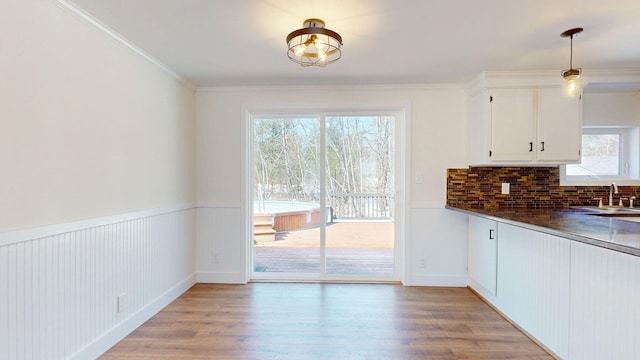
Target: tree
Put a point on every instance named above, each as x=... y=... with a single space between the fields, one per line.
x=358 y=157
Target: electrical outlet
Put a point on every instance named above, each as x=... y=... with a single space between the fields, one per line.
x=505 y=188
x=423 y=263
x=215 y=258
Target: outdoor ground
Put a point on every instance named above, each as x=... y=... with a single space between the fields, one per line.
x=352 y=248
x=373 y=234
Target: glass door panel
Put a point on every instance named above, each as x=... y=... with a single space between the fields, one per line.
x=359 y=195
x=323 y=199
x=286 y=194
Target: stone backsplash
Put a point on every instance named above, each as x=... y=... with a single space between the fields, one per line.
x=530 y=187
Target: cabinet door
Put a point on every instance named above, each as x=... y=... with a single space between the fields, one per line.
x=512 y=125
x=559 y=127
x=483 y=239
x=479 y=128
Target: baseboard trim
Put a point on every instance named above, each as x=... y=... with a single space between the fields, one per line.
x=221 y=278
x=120 y=331
x=531 y=337
x=438 y=280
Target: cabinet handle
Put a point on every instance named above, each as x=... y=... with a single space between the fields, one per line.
x=491 y=236
x=530 y=146
x=542 y=143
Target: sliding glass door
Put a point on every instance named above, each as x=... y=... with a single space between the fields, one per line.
x=323 y=198
x=359 y=195
x=286 y=195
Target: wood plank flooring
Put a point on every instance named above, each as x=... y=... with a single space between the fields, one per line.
x=326 y=321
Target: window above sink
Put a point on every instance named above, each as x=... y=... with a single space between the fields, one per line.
x=610 y=137
x=608 y=154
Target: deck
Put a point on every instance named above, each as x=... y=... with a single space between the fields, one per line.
x=362 y=248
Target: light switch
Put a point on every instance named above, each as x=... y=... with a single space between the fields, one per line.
x=505 y=188
x=419 y=178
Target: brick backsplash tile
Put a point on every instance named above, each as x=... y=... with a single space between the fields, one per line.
x=530 y=187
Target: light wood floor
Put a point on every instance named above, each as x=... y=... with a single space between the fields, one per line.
x=326 y=321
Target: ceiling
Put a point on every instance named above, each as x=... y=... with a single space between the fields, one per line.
x=242 y=42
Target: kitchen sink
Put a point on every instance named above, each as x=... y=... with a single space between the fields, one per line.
x=621 y=216
x=629 y=218
x=611 y=210
x=615 y=212
x=624 y=215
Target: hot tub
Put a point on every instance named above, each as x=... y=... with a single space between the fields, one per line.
x=289 y=215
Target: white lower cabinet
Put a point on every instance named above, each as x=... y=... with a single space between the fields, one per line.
x=605 y=304
x=482 y=255
x=581 y=301
x=533 y=284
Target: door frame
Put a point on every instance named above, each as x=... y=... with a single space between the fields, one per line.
x=401 y=182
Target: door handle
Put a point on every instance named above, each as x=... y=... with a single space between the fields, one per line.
x=530 y=146
x=491 y=235
x=542 y=143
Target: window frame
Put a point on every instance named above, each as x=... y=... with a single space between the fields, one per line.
x=629 y=165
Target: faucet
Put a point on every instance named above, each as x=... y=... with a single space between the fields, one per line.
x=613 y=189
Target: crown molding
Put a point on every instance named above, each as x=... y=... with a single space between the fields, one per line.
x=547 y=78
x=425 y=87
x=515 y=79
x=75 y=9
x=610 y=75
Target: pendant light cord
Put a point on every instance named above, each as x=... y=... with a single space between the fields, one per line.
x=571 y=54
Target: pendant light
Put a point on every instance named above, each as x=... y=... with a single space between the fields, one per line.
x=314 y=45
x=571 y=86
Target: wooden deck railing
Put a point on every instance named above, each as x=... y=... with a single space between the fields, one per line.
x=361 y=206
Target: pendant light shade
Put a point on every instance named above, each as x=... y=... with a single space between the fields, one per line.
x=314 y=45
x=571 y=86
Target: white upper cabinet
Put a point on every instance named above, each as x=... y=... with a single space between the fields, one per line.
x=512 y=125
x=479 y=128
x=528 y=125
x=559 y=128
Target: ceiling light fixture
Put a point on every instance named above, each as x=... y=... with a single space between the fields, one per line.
x=314 y=45
x=571 y=86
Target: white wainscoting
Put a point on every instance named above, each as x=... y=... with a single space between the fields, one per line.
x=533 y=284
x=436 y=250
x=60 y=284
x=222 y=245
x=605 y=304
x=437 y=235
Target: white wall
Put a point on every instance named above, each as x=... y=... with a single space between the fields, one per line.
x=88 y=128
x=615 y=108
x=437 y=138
x=97 y=185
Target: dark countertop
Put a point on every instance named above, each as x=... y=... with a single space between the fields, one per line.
x=574 y=224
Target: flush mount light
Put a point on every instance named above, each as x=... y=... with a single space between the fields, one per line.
x=571 y=85
x=314 y=45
